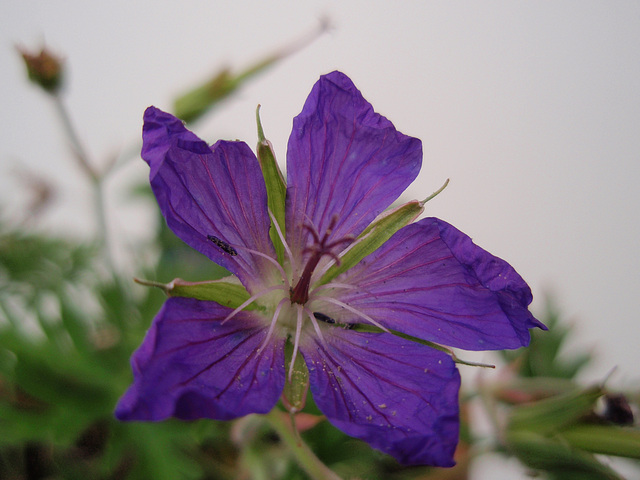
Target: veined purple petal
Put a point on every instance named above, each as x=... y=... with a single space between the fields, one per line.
x=343 y=159
x=399 y=396
x=431 y=281
x=212 y=198
x=190 y=365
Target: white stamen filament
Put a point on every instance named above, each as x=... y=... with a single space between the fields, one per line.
x=274 y=320
x=316 y=327
x=353 y=310
x=296 y=341
x=272 y=260
x=284 y=242
x=252 y=299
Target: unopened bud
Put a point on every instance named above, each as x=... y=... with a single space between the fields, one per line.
x=44 y=69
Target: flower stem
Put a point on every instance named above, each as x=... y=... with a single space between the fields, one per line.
x=78 y=150
x=300 y=450
x=97 y=178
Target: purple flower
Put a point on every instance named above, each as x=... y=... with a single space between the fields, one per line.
x=345 y=164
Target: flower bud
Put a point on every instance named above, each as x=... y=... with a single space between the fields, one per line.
x=44 y=69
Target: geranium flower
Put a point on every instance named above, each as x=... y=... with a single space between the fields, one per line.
x=319 y=284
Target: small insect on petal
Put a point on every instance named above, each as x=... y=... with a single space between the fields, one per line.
x=224 y=246
x=323 y=318
x=327 y=319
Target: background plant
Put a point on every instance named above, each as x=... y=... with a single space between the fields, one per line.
x=70 y=321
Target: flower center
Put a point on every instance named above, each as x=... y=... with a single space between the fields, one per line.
x=318 y=249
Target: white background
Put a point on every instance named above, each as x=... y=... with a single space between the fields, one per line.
x=532 y=109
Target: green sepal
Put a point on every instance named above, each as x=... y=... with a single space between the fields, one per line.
x=294 y=395
x=367 y=328
x=374 y=236
x=552 y=414
x=604 y=439
x=276 y=187
x=227 y=291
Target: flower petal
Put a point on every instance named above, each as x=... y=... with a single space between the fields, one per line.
x=190 y=365
x=399 y=396
x=343 y=159
x=431 y=281
x=209 y=192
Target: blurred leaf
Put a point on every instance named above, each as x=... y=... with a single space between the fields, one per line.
x=196 y=102
x=552 y=414
x=558 y=459
x=605 y=439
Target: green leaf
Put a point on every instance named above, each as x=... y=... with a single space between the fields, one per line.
x=74 y=322
x=276 y=189
x=552 y=414
x=159 y=450
x=227 y=291
x=605 y=439
x=196 y=102
x=557 y=458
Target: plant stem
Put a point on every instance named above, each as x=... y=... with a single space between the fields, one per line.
x=70 y=131
x=300 y=450
x=96 y=178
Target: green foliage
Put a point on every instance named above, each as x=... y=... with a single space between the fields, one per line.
x=65 y=341
x=554 y=425
x=69 y=324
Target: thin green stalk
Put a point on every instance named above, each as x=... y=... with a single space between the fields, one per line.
x=96 y=178
x=300 y=450
x=79 y=151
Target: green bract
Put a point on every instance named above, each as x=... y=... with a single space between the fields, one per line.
x=276 y=188
x=227 y=291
